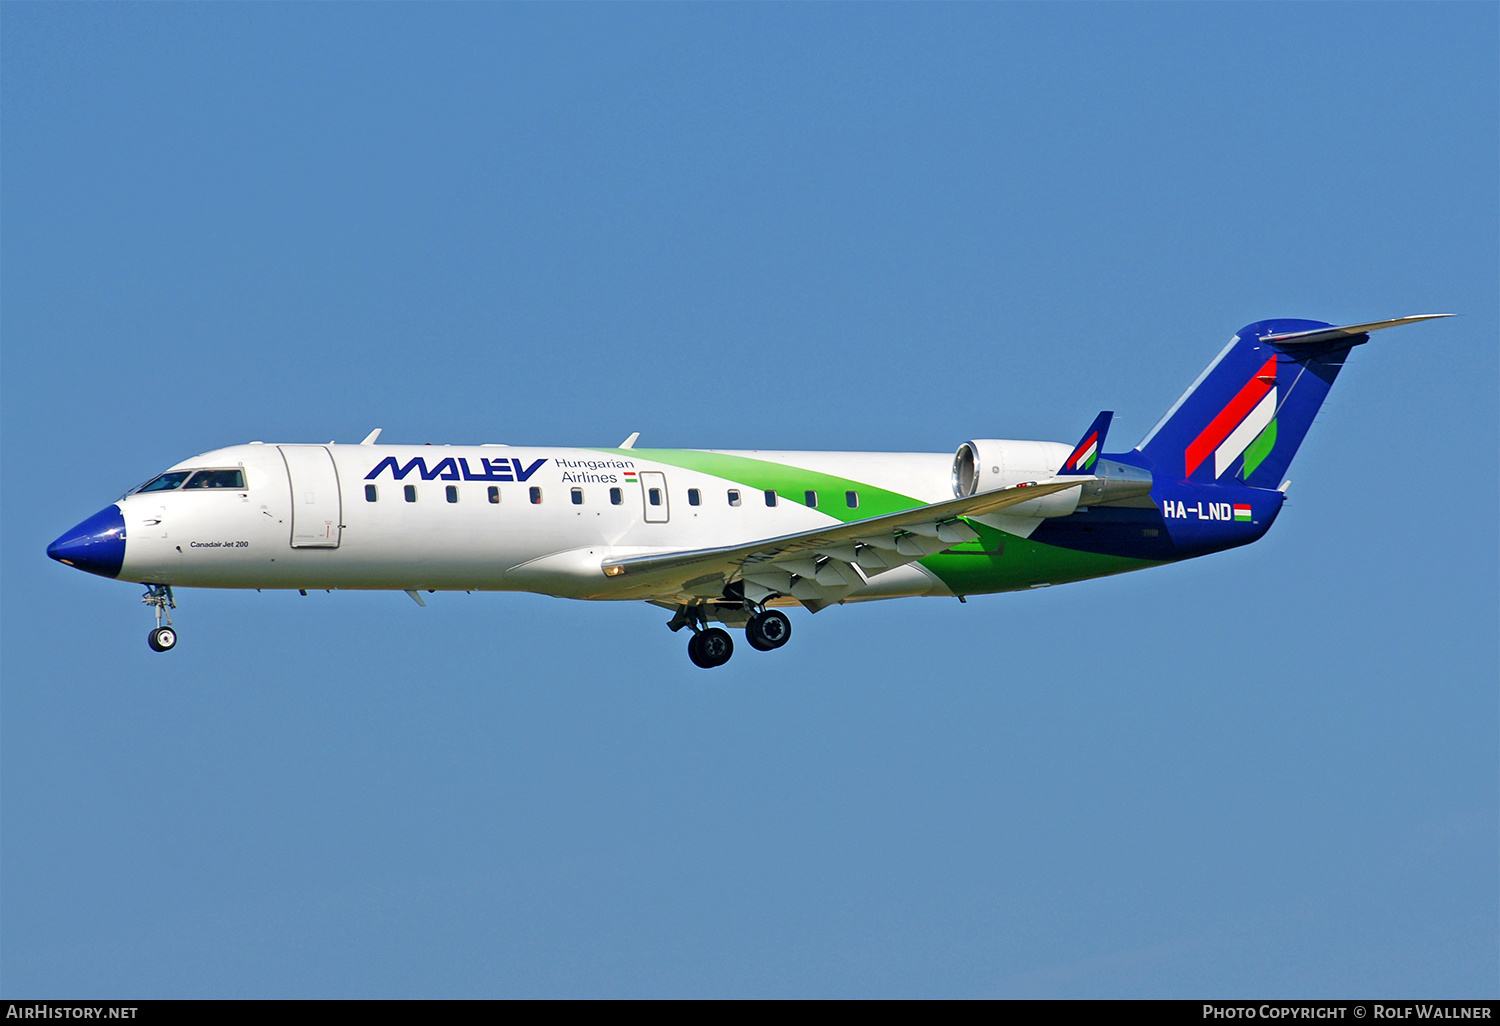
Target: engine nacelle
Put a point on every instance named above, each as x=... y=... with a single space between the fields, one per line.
x=987 y=464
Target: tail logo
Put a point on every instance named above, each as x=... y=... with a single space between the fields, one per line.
x=1247 y=425
x=1084 y=456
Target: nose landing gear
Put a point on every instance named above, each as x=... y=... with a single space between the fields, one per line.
x=162 y=639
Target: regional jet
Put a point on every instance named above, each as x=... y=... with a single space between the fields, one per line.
x=732 y=538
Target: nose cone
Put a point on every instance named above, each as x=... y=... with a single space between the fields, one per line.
x=96 y=545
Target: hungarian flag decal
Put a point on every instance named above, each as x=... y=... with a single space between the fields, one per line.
x=1241 y=422
x=1083 y=457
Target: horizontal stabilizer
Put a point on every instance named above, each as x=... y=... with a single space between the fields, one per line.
x=1344 y=333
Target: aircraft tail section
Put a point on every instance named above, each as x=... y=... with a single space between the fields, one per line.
x=1242 y=421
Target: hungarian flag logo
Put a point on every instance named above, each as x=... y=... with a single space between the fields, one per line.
x=1241 y=512
x=1247 y=425
x=630 y=475
x=1084 y=456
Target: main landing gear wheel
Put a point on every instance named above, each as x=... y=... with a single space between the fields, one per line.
x=710 y=648
x=162 y=639
x=768 y=630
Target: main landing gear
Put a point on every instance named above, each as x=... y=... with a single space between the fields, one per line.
x=162 y=639
x=710 y=647
x=766 y=629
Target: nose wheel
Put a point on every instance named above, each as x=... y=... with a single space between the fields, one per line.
x=159 y=597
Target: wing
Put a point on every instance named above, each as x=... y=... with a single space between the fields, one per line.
x=825 y=564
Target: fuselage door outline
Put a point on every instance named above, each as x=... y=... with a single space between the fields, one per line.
x=317 y=506
x=654 y=497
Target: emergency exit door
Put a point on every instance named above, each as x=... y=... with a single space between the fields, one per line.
x=654 y=494
x=317 y=507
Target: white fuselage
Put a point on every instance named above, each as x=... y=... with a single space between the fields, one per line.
x=292 y=527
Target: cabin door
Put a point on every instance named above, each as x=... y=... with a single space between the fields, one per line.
x=654 y=495
x=317 y=507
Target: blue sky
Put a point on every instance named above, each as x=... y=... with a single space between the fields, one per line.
x=1268 y=772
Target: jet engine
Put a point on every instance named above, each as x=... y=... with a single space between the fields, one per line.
x=987 y=464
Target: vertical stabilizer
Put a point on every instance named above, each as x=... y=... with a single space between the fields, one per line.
x=1245 y=416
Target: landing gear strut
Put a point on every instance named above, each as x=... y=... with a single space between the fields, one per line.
x=161 y=639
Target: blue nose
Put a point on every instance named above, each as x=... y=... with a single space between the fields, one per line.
x=96 y=545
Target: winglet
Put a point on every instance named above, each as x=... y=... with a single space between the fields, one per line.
x=629 y=443
x=1088 y=448
x=370 y=438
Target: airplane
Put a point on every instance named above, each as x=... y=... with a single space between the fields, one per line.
x=732 y=538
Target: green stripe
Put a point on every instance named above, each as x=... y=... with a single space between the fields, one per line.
x=787 y=482
x=998 y=561
x=1005 y=562
x=1260 y=448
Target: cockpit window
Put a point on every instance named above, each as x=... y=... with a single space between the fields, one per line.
x=165 y=482
x=217 y=479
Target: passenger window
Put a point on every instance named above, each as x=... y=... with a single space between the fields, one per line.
x=494 y=493
x=578 y=496
x=812 y=499
x=770 y=496
x=165 y=482
x=453 y=493
x=411 y=493
x=694 y=497
x=734 y=496
x=851 y=499
x=654 y=496
x=371 y=493
x=536 y=496
x=217 y=479
x=616 y=496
